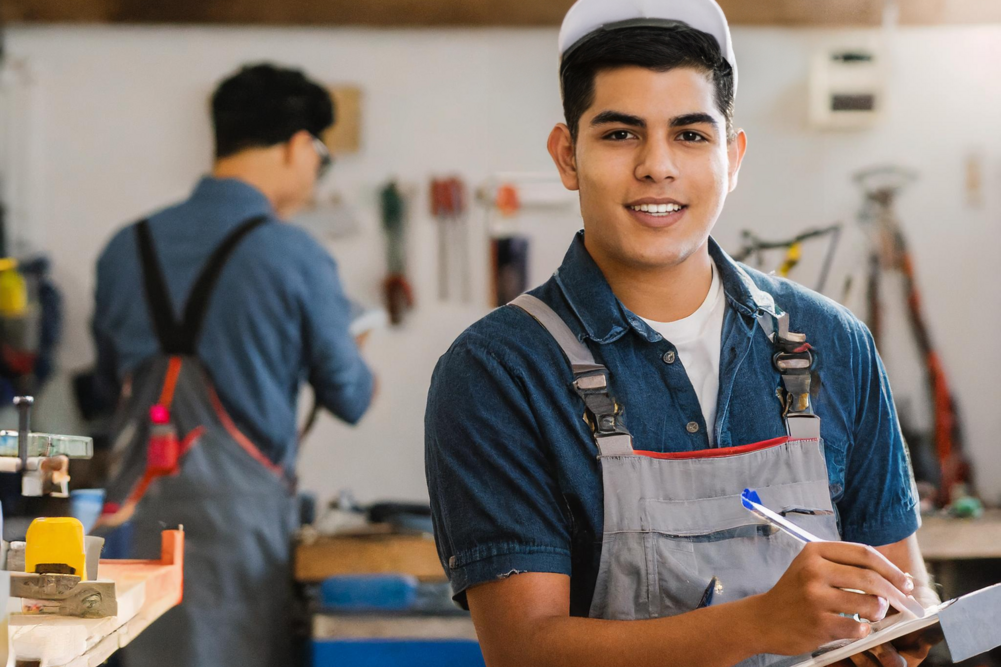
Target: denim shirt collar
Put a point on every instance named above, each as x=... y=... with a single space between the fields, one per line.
x=235 y=200
x=603 y=317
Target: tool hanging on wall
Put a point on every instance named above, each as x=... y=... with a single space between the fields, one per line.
x=508 y=251
x=522 y=208
x=889 y=251
x=448 y=206
x=397 y=291
x=756 y=247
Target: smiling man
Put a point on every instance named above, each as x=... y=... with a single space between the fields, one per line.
x=587 y=445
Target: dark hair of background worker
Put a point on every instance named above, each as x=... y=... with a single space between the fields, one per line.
x=267 y=121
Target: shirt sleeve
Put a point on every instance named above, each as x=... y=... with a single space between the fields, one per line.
x=880 y=503
x=339 y=376
x=496 y=505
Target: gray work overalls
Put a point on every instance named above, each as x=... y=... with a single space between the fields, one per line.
x=236 y=506
x=676 y=536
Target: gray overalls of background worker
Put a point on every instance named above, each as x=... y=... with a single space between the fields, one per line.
x=209 y=317
x=619 y=538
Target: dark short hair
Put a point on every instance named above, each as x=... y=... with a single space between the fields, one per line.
x=264 y=105
x=659 y=48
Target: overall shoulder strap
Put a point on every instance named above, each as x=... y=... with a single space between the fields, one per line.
x=604 y=414
x=161 y=310
x=201 y=292
x=576 y=352
x=795 y=360
x=180 y=338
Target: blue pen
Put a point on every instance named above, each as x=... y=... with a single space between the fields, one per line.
x=752 y=502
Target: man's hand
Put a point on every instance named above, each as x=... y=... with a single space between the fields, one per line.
x=908 y=651
x=804 y=609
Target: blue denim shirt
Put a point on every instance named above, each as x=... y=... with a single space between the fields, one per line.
x=278 y=316
x=511 y=465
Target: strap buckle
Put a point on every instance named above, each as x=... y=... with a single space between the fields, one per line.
x=603 y=414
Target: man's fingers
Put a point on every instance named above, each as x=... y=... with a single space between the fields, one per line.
x=887 y=656
x=862 y=556
x=922 y=640
x=864 y=660
x=842 y=627
x=870 y=607
x=916 y=646
x=867 y=581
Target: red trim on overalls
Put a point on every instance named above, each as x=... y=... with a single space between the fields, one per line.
x=114 y=514
x=716 y=453
x=170 y=381
x=240 y=438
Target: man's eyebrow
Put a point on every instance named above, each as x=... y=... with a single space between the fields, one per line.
x=693 y=119
x=606 y=117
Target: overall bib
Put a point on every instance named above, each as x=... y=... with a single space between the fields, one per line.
x=236 y=506
x=676 y=536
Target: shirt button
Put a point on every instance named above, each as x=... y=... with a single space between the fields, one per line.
x=693 y=427
x=669 y=357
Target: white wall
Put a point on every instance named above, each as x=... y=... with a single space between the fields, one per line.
x=121 y=120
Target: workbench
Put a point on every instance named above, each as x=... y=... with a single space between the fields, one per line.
x=403 y=639
x=948 y=539
x=962 y=554
x=373 y=551
x=145 y=590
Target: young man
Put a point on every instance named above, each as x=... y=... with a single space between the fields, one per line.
x=587 y=445
x=211 y=314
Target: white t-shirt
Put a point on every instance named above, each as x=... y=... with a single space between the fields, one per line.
x=697 y=339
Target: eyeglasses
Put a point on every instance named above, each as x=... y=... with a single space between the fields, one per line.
x=326 y=159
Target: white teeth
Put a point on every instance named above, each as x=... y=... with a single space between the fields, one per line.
x=657 y=209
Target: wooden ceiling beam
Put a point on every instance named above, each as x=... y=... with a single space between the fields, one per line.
x=428 y=13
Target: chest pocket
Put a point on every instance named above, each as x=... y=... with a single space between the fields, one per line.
x=689 y=542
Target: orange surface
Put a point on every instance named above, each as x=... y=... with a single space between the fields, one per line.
x=164 y=578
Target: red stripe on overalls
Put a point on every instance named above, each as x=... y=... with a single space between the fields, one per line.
x=716 y=453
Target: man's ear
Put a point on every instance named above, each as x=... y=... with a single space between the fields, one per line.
x=301 y=143
x=561 y=149
x=735 y=150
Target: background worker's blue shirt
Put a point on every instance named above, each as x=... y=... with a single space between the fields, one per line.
x=278 y=315
x=512 y=468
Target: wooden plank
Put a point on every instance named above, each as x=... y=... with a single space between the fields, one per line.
x=961 y=539
x=371 y=554
x=60 y=641
x=418 y=13
x=293 y=12
x=803 y=12
x=859 y=12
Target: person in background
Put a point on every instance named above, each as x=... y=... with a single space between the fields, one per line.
x=208 y=318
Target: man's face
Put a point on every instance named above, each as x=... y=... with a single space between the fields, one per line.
x=652 y=165
x=301 y=167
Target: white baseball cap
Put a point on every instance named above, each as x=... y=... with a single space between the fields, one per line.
x=587 y=17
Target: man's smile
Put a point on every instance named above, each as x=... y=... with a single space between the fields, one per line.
x=657 y=211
